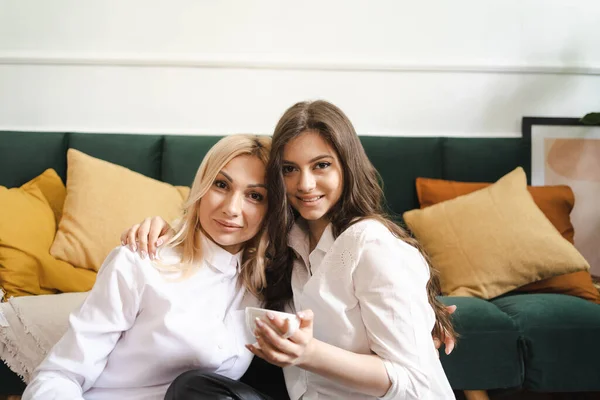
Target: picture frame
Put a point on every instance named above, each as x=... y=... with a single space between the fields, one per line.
x=564 y=151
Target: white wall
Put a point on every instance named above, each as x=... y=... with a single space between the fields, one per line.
x=461 y=67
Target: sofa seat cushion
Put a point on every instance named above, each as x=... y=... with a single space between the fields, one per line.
x=488 y=355
x=561 y=336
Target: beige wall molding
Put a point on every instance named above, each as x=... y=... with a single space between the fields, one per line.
x=273 y=63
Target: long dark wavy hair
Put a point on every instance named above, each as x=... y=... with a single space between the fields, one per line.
x=362 y=197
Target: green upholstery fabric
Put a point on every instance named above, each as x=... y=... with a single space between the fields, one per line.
x=410 y=158
x=140 y=153
x=561 y=335
x=474 y=160
x=488 y=354
x=182 y=156
x=25 y=155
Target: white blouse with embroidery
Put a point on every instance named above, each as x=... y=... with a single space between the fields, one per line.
x=367 y=290
x=139 y=329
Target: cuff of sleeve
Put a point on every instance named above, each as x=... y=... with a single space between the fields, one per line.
x=399 y=380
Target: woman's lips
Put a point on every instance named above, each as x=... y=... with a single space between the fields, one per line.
x=228 y=225
x=310 y=200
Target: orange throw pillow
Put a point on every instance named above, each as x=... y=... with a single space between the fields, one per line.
x=556 y=202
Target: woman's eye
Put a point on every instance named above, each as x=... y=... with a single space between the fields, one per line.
x=323 y=165
x=256 y=196
x=287 y=169
x=221 y=184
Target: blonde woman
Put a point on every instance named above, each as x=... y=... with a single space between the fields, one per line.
x=147 y=321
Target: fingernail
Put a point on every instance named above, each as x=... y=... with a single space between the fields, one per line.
x=133 y=247
x=270 y=315
x=159 y=242
x=151 y=256
x=143 y=254
x=259 y=323
x=122 y=243
x=301 y=314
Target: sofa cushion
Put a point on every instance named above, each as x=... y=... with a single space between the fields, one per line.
x=182 y=156
x=25 y=155
x=139 y=153
x=480 y=160
x=561 y=336
x=487 y=355
x=491 y=241
x=410 y=158
x=103 y=199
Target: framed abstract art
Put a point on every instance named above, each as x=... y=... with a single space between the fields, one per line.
x=566 y=152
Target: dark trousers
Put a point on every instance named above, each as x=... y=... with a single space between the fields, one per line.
x=196 y=385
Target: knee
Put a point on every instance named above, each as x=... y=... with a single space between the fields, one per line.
x=192 y=385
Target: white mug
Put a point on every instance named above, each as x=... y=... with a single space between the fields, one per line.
x=252 y=313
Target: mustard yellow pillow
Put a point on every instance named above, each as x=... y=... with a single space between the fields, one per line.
x=492 y=241
x=53 y=190
x=27 y=228
x=102 y=200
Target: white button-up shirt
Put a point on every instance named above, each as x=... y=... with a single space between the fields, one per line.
x=367 y=290
x=140 y=328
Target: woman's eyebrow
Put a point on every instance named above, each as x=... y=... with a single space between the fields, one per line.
x=320 y=157
x=311 y=160
x=252 y=185
x=226 y=176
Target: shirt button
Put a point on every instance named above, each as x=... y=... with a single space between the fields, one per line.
x=220 y=346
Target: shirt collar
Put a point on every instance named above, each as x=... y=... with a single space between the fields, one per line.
x=299 y=241
x=220 y=258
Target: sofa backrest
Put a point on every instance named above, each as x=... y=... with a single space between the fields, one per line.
x=175 y=159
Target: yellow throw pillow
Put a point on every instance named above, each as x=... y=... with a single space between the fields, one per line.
x=27 y=228
x=492 y=241
x=103 y=199
x=53 y=190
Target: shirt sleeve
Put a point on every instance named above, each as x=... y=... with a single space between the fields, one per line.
x=390 y=283
x=80 y=356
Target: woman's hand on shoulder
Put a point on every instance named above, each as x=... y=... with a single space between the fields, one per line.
x=147 y=236
x=449 y=341
x=274 y=348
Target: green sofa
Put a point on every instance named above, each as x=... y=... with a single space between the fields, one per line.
x=536 y=342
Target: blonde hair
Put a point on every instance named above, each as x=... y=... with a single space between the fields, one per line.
x=188 y=228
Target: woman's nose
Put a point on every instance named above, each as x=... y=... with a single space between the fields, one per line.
x=306 y=182
x=233 y=205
